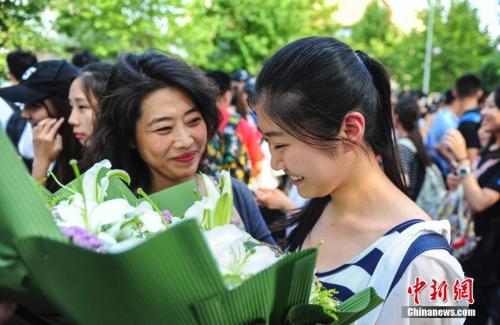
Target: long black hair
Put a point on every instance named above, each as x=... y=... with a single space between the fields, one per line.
x=132 y=79
x=309 y=86
x=408 y=113
x=94 y=79
x=493 y=139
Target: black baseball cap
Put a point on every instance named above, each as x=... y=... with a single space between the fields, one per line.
x=42 y=80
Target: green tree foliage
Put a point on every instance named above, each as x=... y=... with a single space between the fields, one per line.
x=376 y=35
x=217 y=34
x=230 y=34
x=249 y=31
x=459 y=45
x=21 y=26
x=463 y=45
x=108 y=27
x=490 y=72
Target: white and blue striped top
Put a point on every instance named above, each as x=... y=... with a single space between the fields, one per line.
x=355 y=276
x=413 y=248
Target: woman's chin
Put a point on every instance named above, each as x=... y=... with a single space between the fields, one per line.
x=187 y=173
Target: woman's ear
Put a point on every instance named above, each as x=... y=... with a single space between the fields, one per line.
x=353 y=127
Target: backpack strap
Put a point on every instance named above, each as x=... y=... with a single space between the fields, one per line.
x=471 y=116
x=421 y=244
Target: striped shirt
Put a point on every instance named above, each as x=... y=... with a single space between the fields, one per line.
x=361 y=268
x=390 y=266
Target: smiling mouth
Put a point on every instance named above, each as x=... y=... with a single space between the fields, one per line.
x=186 y=157
x=296 y=178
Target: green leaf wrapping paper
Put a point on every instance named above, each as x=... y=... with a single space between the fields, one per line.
x=171 y=278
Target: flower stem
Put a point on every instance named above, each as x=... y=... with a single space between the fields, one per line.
x=146 y=197
x=59 y=183
x=76 y=170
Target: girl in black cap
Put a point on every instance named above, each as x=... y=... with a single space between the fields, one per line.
x=44 y=91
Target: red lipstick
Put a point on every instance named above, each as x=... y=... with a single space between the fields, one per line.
x=186 y=157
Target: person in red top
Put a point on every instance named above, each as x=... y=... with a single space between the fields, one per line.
x=248 y=135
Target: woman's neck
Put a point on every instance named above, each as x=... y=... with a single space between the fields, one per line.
x=368 y=193
x=402 y=133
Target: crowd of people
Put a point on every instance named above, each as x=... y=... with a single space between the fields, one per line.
x=320 y=150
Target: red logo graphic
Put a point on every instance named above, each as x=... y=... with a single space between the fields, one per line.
x=439 y=291
x=462 y=290
x=415 y=289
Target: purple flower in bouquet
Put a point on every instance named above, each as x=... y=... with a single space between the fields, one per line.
x=167 y=215
x=83 y=238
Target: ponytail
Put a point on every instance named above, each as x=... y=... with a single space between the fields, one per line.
x=383 y=142
x=408 y=113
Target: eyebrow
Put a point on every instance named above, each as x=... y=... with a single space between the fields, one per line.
x=165 y=118
x=271 y=133
x=79 y=99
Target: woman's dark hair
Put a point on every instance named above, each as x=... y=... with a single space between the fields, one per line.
x=82 y=58
x=309 y=86
x=19 y=61
x=496 y=97
x=133 y=78
x=493 y=139
x=94 y=79
x=72 y=149
x=408 y=112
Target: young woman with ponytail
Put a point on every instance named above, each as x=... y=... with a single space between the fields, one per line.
x=411 y=146
x=325 y=111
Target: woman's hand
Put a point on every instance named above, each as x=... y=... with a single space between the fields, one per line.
x=274 y=199
x=47 y=144
x=455 y=143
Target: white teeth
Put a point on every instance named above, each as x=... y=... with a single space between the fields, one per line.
x=296 y=178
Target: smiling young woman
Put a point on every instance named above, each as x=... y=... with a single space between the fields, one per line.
x=325 y=111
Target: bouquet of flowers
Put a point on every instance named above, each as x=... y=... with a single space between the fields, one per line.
x=141 y=263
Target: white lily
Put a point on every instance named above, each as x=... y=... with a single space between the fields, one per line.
x=238 y=255
x=199 y=209
x=216 y=207
x=95 y=191
x=112 y=221
x=108 y=216
x=151 y=220
x=68 y=214
x=263 y=258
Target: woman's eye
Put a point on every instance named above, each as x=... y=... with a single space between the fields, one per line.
x=195 y=121
x=163 y=130
x=279 y=146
